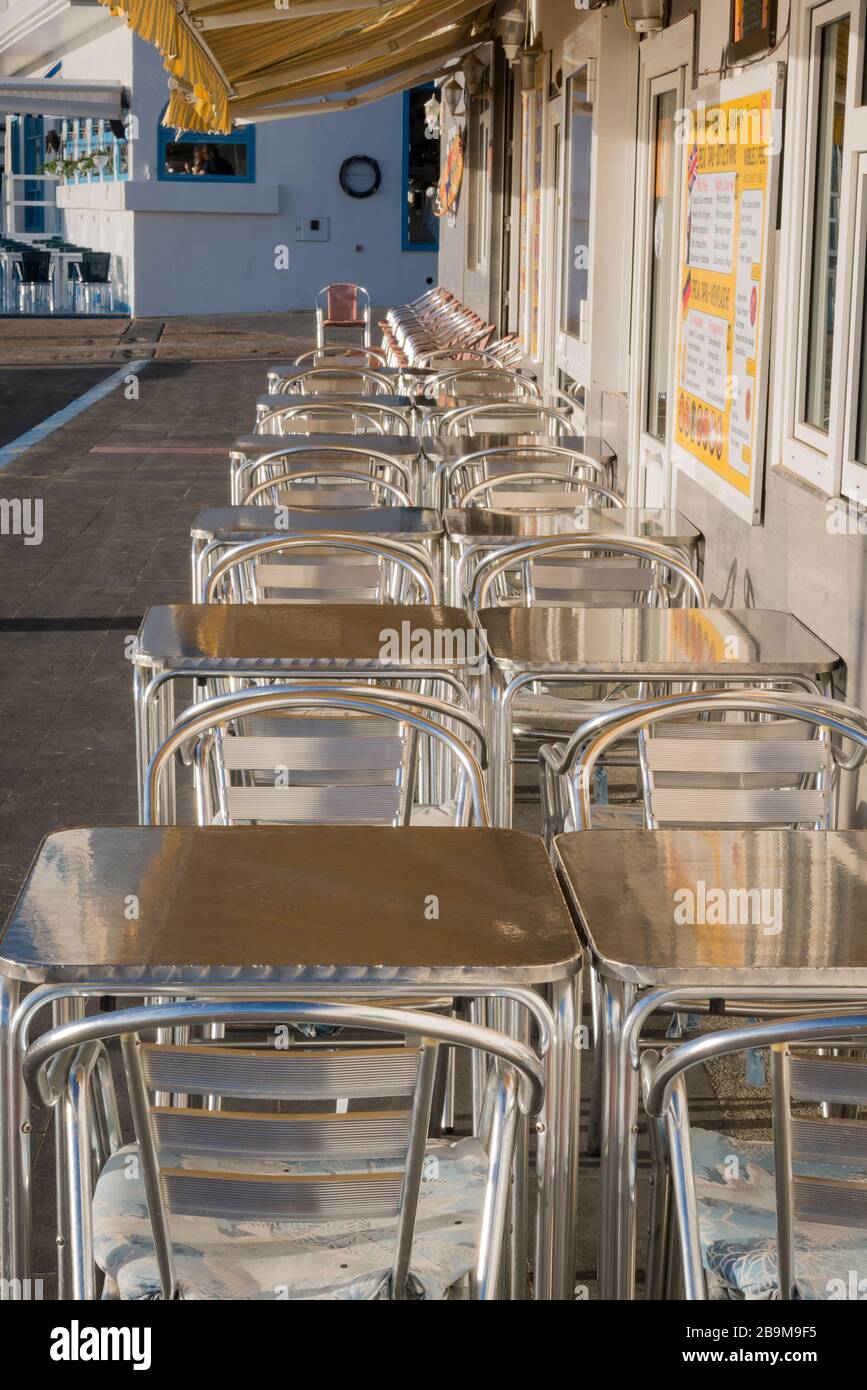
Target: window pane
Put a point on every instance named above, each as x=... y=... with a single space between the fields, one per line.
x=422 y=165
x=222 y=160
x=830 y=125
x=579 y=114
x=662 y=266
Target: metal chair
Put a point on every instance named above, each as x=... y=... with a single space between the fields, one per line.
x=321 y=567
x=588 y=572
x=311 y=753
x=733 y=1241
x=344 y=416
x=342 y=305
x=453 y=478
x=442 y=359
x=335 y=487
x=207 y=1203
x=35 y=286
x=469 y=383
x=331 y=380
x=93 y=291
x=491 y=417
x=353 y=456
x=777 y=765
x=539 y=489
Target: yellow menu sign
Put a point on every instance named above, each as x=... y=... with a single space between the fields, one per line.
x=729 y=208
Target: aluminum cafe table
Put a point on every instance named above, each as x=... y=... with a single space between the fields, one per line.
x=294 y=911
x=622 y=887
x=472 y=531
x=217 y=529
x=252 y=447
x=294 y=641
x=638 y=645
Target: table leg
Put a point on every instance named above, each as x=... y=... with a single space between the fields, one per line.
x=501 y=751
x=9 y=1133
x=565 y=995
x=613 y=1006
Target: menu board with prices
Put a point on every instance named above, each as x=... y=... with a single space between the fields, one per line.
x=731 y=161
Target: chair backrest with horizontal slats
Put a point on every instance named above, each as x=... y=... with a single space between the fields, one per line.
x=527 y=417
x=317 y=754
x=819 y=1162
x=330 y=380
x=302 y=1162
x=330 y=567
x=744 y=773
x=569 y=571
x=326 y=487
x=725 y=757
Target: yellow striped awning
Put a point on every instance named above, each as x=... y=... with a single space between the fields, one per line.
x=251 y=59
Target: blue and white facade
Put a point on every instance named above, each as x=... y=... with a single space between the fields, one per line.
x=265 y=239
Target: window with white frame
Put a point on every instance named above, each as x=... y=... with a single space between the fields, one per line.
x=827 y=135
x=579 y=148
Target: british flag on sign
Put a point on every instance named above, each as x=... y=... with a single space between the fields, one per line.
x=692 y=166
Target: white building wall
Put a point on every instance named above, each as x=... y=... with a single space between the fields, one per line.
x=194 y=248
x=222 y=260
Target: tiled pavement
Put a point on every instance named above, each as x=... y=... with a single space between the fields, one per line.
x=116 y=539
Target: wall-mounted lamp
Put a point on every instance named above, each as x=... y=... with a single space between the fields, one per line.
x=512 y=26
x=432 y=113
x=644 y=16
x=452 y=94
x=474 y=71
x=529 y=60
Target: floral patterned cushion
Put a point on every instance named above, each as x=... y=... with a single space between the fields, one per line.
x=736 y=1196
x=228 y=1259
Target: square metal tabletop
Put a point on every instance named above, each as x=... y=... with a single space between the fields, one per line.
x=395 y=445
x=198 y=637
x=446 y=448
x=290 y=904
x=238 y=524
x=486 y=524
x=792 y=912
x=668 y=642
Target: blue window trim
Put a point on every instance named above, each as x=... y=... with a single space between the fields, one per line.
x=405 y=243
x=243 y=135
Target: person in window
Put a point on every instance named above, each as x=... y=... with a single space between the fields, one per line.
x=217 y=163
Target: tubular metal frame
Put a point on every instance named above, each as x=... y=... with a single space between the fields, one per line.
x=520 y=1087
x=665 y=1100
x=556 y=1153
x=242 y=470
x=405 y=558
x=440 y=486
x=408 y=707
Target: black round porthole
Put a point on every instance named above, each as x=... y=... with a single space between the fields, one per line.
x=360 y=176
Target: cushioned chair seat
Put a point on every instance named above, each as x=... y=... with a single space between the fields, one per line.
x=737 y=1212
x=343 y=1260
